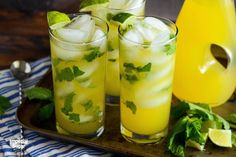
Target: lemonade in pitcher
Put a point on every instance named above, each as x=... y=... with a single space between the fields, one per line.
x=114 y=12
x=199 y=77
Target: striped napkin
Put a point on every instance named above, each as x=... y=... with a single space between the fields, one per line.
x=9 y=128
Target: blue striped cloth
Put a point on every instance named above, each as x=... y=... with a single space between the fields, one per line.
x=9 y=129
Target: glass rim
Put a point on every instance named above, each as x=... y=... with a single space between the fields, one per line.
x=157 y=17
x=123 y=10
x=80 y=43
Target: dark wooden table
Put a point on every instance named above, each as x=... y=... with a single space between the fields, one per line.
x=23 y=26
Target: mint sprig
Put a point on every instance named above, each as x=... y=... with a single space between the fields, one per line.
x=4 y=104
x=45 y=96
x=131 y=106
x=193 y=124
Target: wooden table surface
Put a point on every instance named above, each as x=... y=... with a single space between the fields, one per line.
x=24 y=32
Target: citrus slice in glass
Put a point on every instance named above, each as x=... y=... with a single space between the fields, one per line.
x=91 y=5
x=57 y=19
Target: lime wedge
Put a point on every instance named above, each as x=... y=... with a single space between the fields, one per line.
x=221 y=137
x=57 y=19
x=91 y=5
x=122 y=18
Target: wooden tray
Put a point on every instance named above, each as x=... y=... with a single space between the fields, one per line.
x=111 y=140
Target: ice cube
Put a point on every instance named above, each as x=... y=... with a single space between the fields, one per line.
x=72 y=35
x=147 y=33
x=134 y=36
x=157 y=24
x=79 y=21
x=66 y=52
x=130 y=4
x=98 y=34
x=159 y=41
x=89 y=28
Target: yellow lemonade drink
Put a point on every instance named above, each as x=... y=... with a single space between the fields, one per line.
x=199 y=77
x=108 y=12
x=78 y=53
x=147 y=58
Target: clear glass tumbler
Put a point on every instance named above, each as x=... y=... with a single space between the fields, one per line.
x=146 y=69
x=79 y=83
x=112 y=72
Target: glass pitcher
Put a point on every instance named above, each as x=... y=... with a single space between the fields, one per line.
x=204 y=26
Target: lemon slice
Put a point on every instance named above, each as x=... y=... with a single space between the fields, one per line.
x=221 y=137
x=57 y=19
x=91 y=5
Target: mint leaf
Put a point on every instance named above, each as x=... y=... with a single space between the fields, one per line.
x=66 y=74
x=88 y=105
x=121 y=17
x=234 y=139
x=39 y=93
x=172 y=36
x=231 y=118
x=46 y=112
x=176 y=139
x=77 y=72
x=112 y=60
x=170 y=49
x=221 y=120
x=68 y=104
x=131 y=78
x=129 y=67
x=109 y=16
x=131 y=106
x=193 y=128
x=145 y=68
x=97 y=112
x=56 y=61
x=4 y=104
x=74 y=117
x=179 y=109
x=95 y=53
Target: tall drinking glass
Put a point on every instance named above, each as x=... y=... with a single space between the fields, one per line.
x=78 y=77
x=112 y=68
x=147 y=59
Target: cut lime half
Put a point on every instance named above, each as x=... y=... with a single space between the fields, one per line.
x=57 y=19
x=91 y=5
x=221 y=137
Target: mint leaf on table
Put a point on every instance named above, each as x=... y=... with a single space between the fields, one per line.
x=234 y=139
x=39 y=93
x=231 y=118
x=131 y=106
x=45 y=112
x=68 y=104
x=4 y=104
x=192 y=128
x=176 y=139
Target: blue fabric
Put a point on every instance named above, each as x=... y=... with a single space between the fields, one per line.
x=9 y=128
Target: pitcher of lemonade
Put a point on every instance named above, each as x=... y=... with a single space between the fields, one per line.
x=204 y=26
